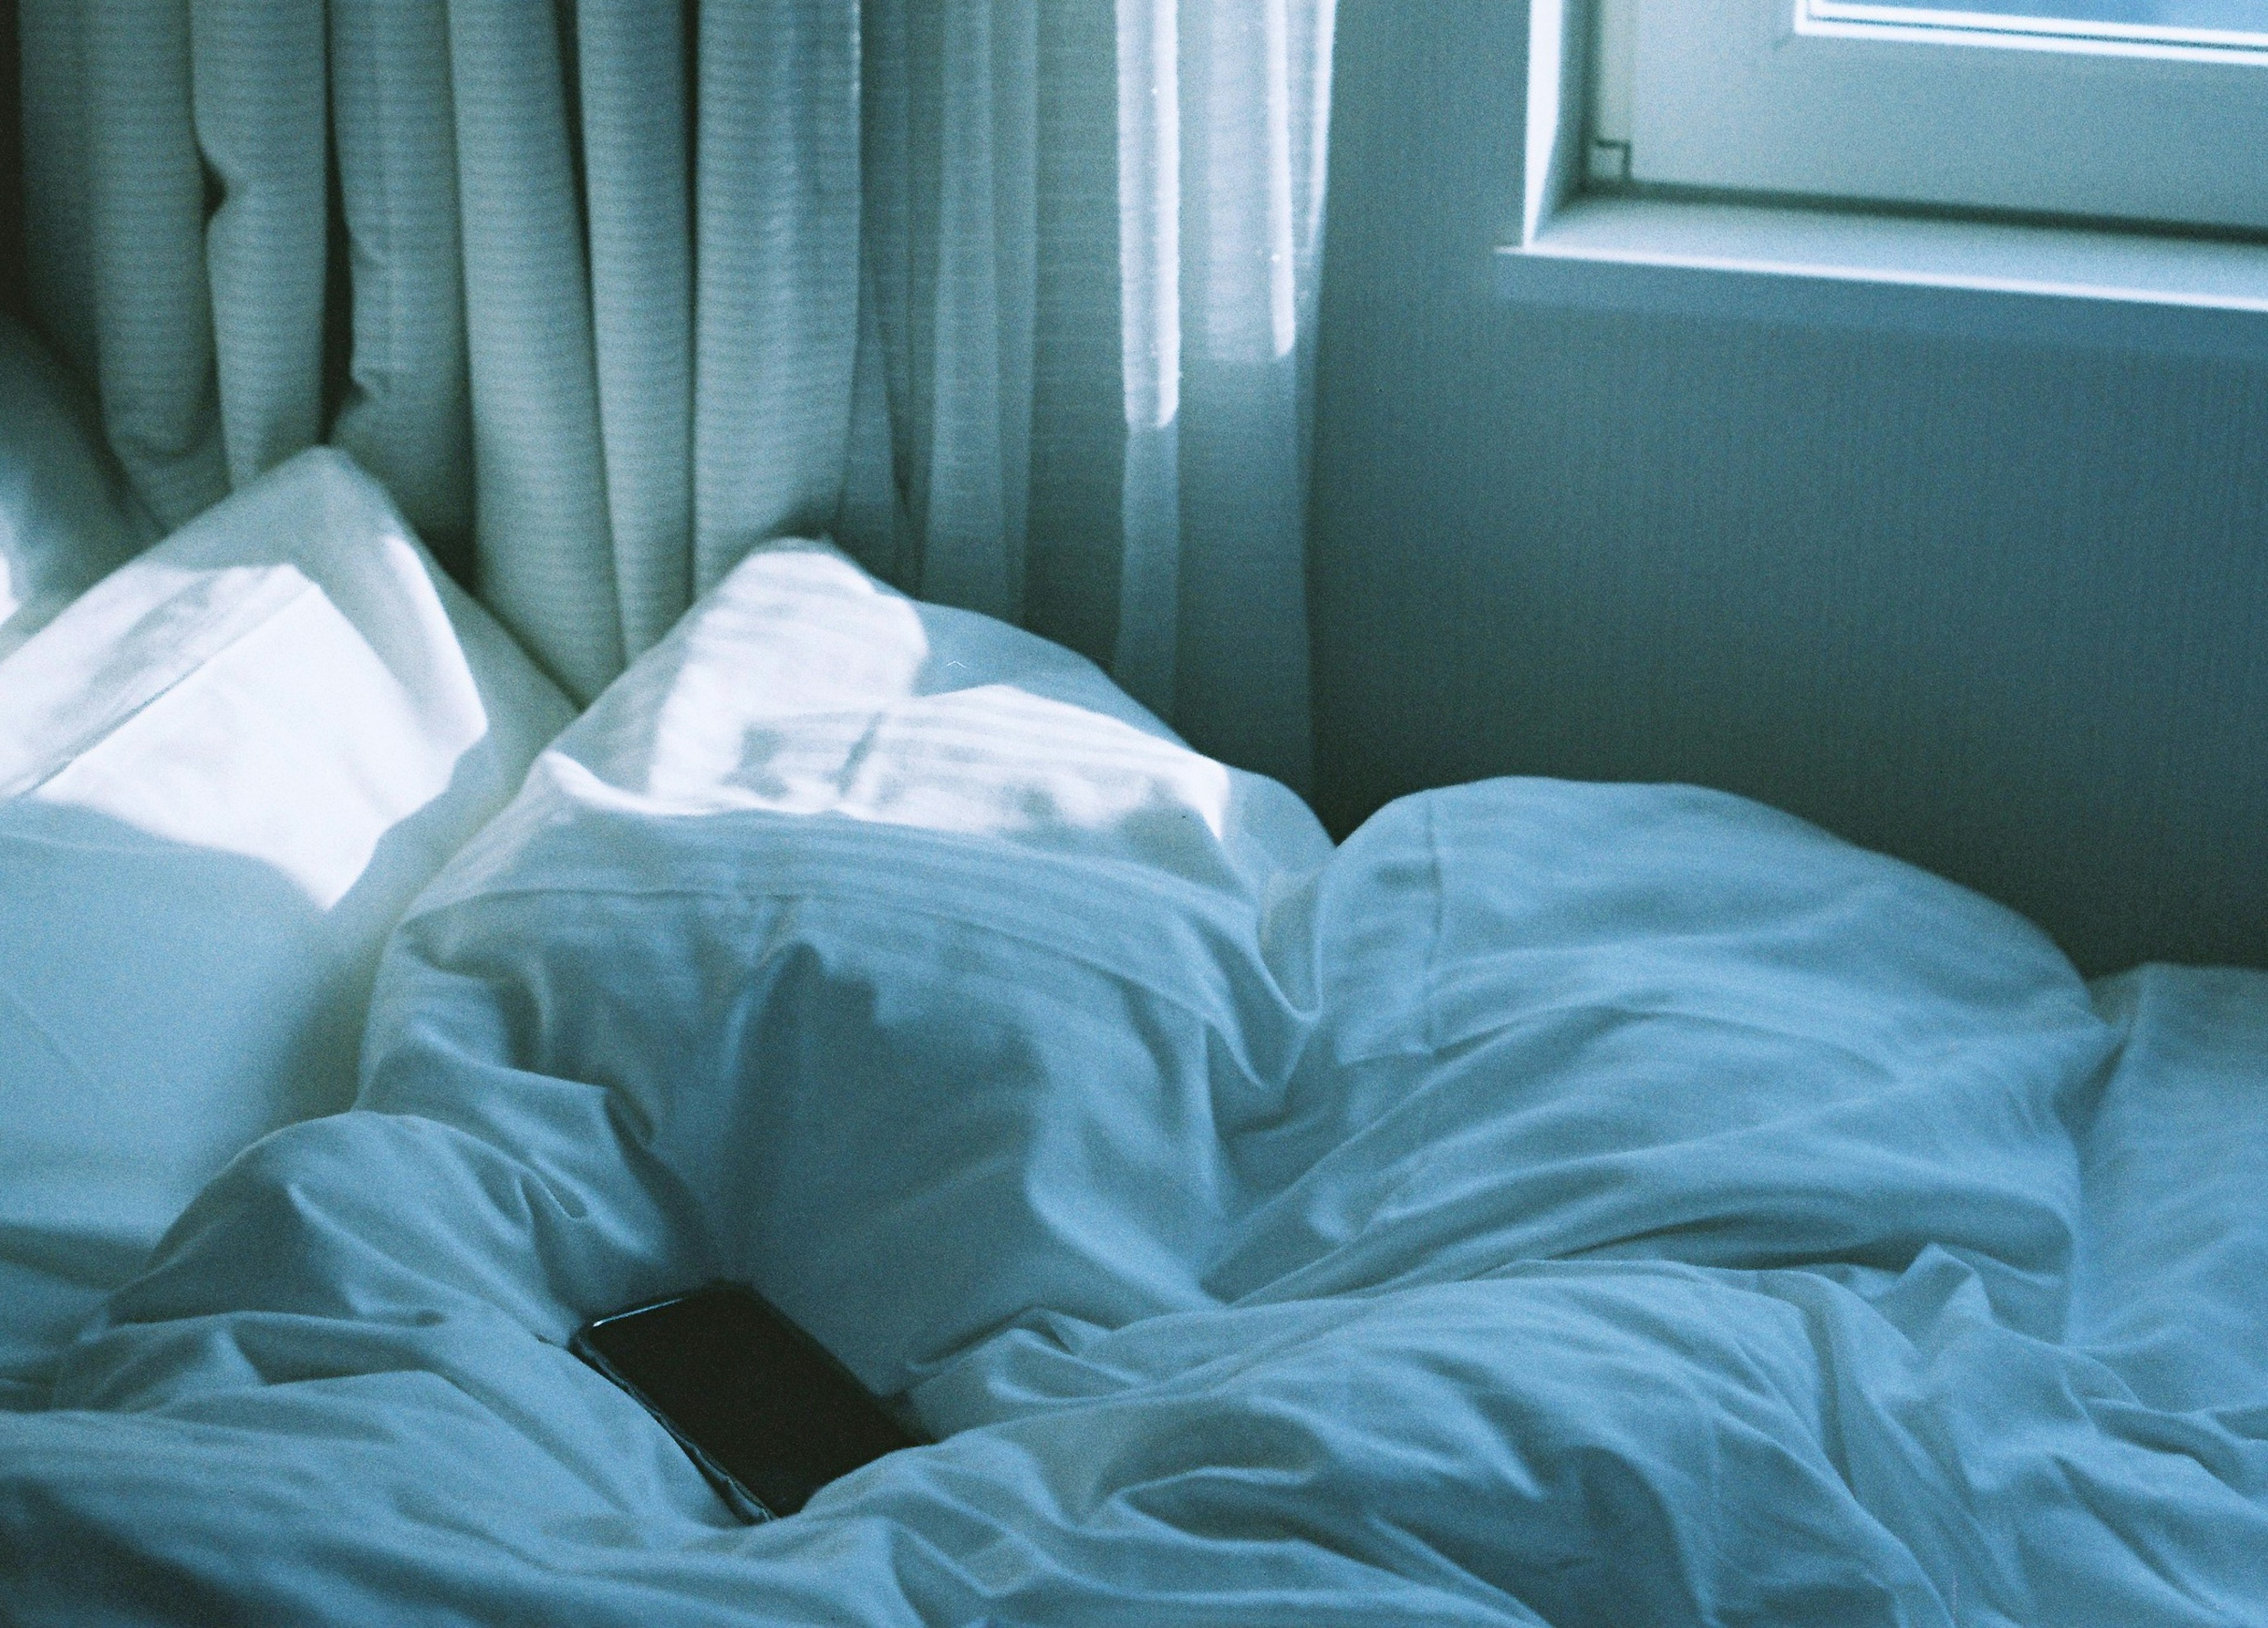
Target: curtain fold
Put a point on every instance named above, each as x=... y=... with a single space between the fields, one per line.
x=406 y=416
x=1014 y=298
x=1151 y=211
x=152 y=303
x=257 y=98
x=776 y=312
x=545 y=544
x=632 y=65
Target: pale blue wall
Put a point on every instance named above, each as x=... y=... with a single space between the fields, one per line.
x=2002 y=611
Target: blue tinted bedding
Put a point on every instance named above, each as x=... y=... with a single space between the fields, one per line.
x=1561 y=1203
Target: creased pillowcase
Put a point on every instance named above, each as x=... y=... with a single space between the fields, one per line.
x=225 y=771
x=922 y=971
x=67 y=517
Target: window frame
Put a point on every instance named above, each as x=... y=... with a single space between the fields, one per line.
x=1573 y=245
x=2107 y=127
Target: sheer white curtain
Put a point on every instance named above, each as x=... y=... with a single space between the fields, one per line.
x=1014 y=298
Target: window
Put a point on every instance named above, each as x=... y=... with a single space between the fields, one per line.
x=2088 y=173
x=2150 y=112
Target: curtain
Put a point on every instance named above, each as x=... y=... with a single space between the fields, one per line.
x=1014 y=298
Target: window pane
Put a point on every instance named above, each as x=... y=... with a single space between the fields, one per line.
x=2168 y=16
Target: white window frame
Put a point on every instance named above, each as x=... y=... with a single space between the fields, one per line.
x=1853 y=265
x=1834 y=100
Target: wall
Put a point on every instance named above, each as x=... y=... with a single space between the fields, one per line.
x=1999 y=610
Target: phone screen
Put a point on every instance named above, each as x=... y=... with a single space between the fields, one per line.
x=768 y=1415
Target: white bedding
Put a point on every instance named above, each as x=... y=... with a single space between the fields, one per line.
x=225 y=771
x=1569 y=1204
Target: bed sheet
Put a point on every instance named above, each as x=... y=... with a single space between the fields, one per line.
x=1563 y=1203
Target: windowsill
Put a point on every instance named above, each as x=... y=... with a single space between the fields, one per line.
x=1817 y=268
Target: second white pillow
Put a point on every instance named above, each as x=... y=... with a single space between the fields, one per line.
x=223 y=773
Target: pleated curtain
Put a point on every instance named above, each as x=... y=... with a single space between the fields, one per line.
x=1014 y=299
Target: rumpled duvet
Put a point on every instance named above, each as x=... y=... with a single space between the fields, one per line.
x=1559 y=1204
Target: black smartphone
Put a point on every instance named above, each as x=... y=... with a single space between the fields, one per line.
x=764 y=1410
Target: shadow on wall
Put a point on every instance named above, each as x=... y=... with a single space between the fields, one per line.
x=1989 y=607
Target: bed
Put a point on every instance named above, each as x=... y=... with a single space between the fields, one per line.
x=1555 y=1203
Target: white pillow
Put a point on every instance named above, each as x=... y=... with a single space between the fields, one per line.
x=927 y=967
x=225 y=771
x=67 y=517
